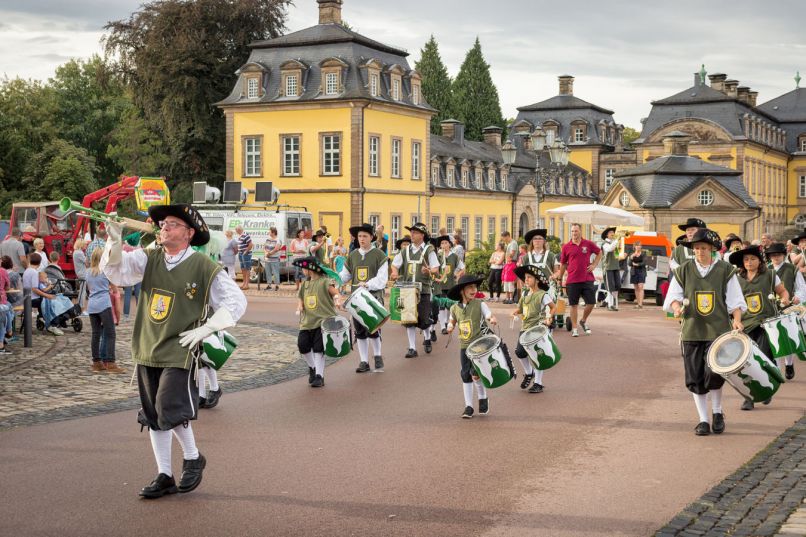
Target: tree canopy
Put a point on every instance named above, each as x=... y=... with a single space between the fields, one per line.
x=436 y=85
x=474 y=99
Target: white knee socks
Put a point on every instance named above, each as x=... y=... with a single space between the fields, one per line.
x=411 y=332
x=702 y=406
x=789 y=360
x=161 y=445
x=527 y=366
x=201 y=380
x=363 y=349
x=376 y=345
x=716 y=401
x=427 y=334
x=308 y=356
x=187 y=441
x=539 y=376
x=212 y=376
x=443 y=318
x=319 y=363
x=467 y=388
x=480 y=389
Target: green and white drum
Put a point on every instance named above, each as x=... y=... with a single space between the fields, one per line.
x=488 y=360
x=785 y=335
x=366 y=309
x=738 y=359
x=800 y=312
x=217 y=348
x=336 y=336
x=540 y=346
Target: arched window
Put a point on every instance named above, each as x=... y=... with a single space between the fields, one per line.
x=705 y=197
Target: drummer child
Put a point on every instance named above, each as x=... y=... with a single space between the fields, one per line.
x=794 y=284
x=451 y=267
x=713 y=303
x=318 y=300
x=757 y=283
x=531 y=308
x=470 y=315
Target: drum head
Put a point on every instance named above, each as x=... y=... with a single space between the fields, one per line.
x=728 y=353
x=483 y=345
x=335 y=324
x=533 y=334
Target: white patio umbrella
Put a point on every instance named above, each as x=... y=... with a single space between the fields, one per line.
x=597 y=215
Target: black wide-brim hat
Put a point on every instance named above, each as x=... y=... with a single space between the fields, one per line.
x=188 y=215
x=731 y=240
x=538 y=273
x=797 y=239
x=708 y=236
x=775 y=248
x=437 y=241
x=310 y=262
x=737 y=258
x=318 y=233
x=366 y=228
x=532 y=233
x=606 y=231
x=680 y=240
x=455 y=292
x=399 y=242
x=692 y=222
x=419 y=226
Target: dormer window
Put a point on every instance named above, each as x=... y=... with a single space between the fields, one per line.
x=802 y=142
x=396 y=89
x=252 y=87
x=464 y=177
x=450 y=178
x=373 y=84
x=291 y=85
x=415 y=93
x=331 y=83
x=332 y=71
x=504 y=176
x=491 y=179
x=434 y=174
x=579 y=132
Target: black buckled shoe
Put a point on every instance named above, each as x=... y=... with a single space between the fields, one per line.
x=191 y=474
x=311 y=375
x=536 y=388
x=427 y=346
x=378 y=363
x=748 y=404
x=790 y=372
x=702 y=429
x=318 y=382
x=433 y=335
x=162 y=485
x=718 y=424
x=362 y=368
x=527 y=379
x=468 y=413
x=444 y=331
x=202 y=402
x=484 y=407
x=412 y=353
x=212 y=398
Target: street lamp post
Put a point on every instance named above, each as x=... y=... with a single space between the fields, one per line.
x=558 y=155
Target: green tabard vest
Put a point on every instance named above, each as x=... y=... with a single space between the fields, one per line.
x=469 y=321
x=363 y=270
x=171 y=302
x=317 y=304
x=759 y=307
x=448 y=267
x=530 y=305
x=786 y=273
x=681 y=254
x=545 y=262
x=610 y=261
x=412 y=267
x=706 y=316
x=320 y=253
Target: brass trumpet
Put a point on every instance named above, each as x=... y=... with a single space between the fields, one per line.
x=66 y=204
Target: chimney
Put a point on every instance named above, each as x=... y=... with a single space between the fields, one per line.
x=329 y=11
x=752 y=98
x=743 y=94
x=455 y=130
x=718 y=81
x=730 y=87
x=676 y=143
x=492 y=135
x=566 y=84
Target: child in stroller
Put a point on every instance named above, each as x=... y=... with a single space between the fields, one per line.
x=60 y=285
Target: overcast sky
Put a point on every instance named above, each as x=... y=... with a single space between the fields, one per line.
x=624 y=54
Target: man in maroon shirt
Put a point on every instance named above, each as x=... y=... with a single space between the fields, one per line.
x=576 y=259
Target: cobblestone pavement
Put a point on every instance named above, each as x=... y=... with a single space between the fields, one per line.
x=52 y=380
x=757 y=499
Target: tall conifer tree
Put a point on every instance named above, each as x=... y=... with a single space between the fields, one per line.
x=436 y=84
x=474 y=98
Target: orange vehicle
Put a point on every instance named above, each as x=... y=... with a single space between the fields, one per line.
x=658 y=250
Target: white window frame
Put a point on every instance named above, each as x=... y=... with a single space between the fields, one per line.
x=397 y=144
x=491 y=179
x=504 y=223
x=331 y=148
x=415 y=160
x=395 y=235
x=450 y=224
x=504 y=177
x=415 y=94
x=331 y=83
x=705 y=197
x=464 y=177
x=478 y=231
x=802 y=186
x=252 y=157
x=624 y=199
x=291 y=85
x=490 y=228
x=252 y=88
x=374 y=155
x=610 y=174
x=434 y=224
x=414 y=218
x=374 y=220
x=396 y=89
x=434 y=175
x=291 y=155
x=373 y=84
x=803 y=144
x=550 y=135
x=579 y=134
x=465 y=222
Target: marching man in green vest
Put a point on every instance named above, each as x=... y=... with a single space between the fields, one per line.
x=682 y=253
x=417 y=263
x=611 y=273
x=706 y=294
x=367 y=267
x=450 y=268
x=185 y=297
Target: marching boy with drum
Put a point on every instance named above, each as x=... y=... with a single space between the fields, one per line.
x=794 y=284
x=759 y=287
x=470 y=315
x=366 y=269
x=706 y=294
x=318 y=300
x=532 y=308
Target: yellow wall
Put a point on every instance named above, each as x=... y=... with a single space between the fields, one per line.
x=485 y=206
x=796 y=168
x=582 y=157
x=387 y=124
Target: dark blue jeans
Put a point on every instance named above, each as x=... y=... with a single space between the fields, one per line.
x=102 y=323
x=127 y=297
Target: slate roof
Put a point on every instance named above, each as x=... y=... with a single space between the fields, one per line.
x=660 y=183
x=324 y=34
x=790 y=111
x=563 y=102
x=564 y=109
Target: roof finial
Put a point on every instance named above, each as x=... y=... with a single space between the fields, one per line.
x=797 y=80
x=703 y=72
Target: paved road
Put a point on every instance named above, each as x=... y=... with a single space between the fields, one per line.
x=607 y=449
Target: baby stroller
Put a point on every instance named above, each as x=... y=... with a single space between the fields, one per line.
x=68 y=289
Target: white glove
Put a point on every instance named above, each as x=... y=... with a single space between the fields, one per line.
x=220 y=320
x=114 y=243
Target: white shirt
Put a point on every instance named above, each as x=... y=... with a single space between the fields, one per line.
x=609 y=245
x=373 y=284
x=734 y=299
x=485 y=312
x=433 y=262
x=224 y=292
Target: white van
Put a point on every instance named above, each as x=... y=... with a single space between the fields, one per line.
x=257 y=225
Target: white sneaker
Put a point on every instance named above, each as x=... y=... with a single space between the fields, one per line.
x=55 y=331
x=574 y=333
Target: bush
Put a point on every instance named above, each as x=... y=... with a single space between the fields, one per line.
x=477 y=263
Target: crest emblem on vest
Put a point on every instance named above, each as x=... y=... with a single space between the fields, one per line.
x=753 y=302
x=465 y=329
x=159 y=309
x=311 y=302
x=362 y=273
x=705 y=302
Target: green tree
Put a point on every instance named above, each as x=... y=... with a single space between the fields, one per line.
x=179 y=58
x=474 y=97
x=135 y=148
x=436 y=84
x=60 y=169
x=629 y=135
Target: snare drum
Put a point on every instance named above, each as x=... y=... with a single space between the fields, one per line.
x=366 y=309
x=785 y=335
x=403 y=299
x=739 y=361
x=540 y=346
x=336 y=336
x=488 y=361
